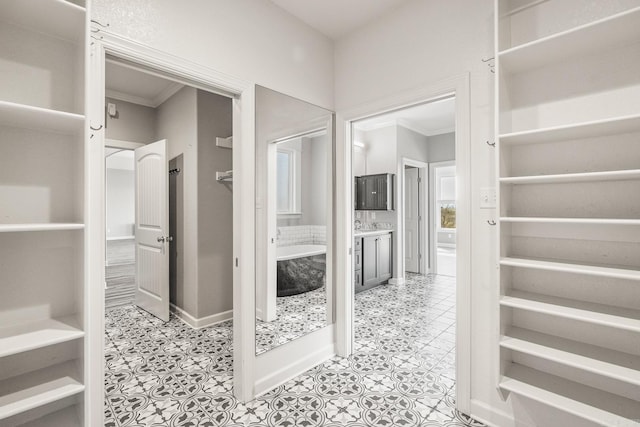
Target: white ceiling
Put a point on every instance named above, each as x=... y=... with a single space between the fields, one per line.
x=433 y=118
x=336 y=18
x=125 y=83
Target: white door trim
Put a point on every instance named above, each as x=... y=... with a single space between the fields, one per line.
x=125 y=145
x=405 y=161
x=460 y=87
x=196 y=75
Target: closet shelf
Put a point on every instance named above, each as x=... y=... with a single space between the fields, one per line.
x=57 y=18
x=30 y=336
x=11 y=228
x=66 y=417
x=590 y=129
x=621 y=175
x=43 y=119
x=34 y=389
x=588 y=403
x=586 y=221
x=597 y=314
x=609 y=363
x=599 y=36
x=586 y=269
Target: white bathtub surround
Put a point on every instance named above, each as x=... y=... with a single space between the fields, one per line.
x=302 y=235
x=285 y=253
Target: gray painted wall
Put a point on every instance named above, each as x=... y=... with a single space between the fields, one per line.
x=135 y=123
x=176 y=122
x=412 y=145
x=442 y=147
x=215 y=207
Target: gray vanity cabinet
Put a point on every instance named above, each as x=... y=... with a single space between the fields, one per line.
x=376 y=261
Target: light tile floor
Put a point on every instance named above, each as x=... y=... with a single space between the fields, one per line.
x=296 y=316
x=401 y=373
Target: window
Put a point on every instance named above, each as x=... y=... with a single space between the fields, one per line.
x=446 y=197
x=288 y=180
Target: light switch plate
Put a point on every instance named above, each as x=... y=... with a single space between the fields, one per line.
x=488 y=197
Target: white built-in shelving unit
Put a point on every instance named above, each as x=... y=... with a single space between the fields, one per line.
x=43 y=58
x=568 y=150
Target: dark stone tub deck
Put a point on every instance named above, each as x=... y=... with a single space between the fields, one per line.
x=299 y=275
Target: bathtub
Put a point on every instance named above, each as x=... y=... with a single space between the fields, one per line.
x=301 y=268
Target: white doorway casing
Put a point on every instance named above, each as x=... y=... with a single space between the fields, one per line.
x=243 y=96
x=458 y=86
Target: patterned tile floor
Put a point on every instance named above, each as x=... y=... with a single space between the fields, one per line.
x=401 y=374
x=296 y=316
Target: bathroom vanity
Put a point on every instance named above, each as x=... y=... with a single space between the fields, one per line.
x=373 y=258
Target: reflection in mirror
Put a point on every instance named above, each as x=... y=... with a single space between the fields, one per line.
x=294 y=181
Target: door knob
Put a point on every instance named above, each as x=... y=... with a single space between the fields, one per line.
x=169 y=238
x=160 y=239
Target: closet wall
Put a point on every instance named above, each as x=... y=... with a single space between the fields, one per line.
x=43 y=321
x=133 y=123
x=215 y=209
x=568 y=121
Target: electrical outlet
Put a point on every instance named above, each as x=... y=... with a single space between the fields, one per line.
x=488 y=198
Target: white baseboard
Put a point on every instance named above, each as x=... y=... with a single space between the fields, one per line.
x=202 y=322
x=397 y=281
x=490 y=416
x=121 y=238
x=280 y=376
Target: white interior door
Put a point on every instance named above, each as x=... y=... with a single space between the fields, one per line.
x=152 y=226
x=411 y=220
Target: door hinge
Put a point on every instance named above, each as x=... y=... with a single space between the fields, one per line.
x=236 y=262
x=419 y=180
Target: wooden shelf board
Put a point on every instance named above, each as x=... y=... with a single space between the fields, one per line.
x=591 y=270
x=608 y=363
x=38 y=388
x=588 y=403
x=12 y=228
x=67 y=417
x=621 y=175
x=614 y=31
x=56 y=18
x=596 y=128
x=599 y=314
x=26 y=116
x=586 y=221
x=42 y=333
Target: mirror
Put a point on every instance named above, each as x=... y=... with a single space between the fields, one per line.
x=294 y=206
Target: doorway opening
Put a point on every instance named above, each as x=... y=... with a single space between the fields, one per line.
x=120 y=268
x=169 y=243
x=413 y=308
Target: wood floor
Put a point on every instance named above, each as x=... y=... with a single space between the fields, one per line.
x=120 y=273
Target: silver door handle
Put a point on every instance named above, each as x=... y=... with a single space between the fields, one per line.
x=169 y=238
x=160 y=239
x=165 y=239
